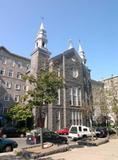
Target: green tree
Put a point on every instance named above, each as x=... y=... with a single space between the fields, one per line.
x=44 y=91
x=20 y=112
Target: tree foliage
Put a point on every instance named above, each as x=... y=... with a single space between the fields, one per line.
x=45 y=88
x=20 y=112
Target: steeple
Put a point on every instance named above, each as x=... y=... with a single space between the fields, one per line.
x=82 y=54
x=70 y=44
x=41 y=39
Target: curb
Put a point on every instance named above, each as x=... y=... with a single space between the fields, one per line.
x=94 y=143
x=33 y=156
x=62 y=149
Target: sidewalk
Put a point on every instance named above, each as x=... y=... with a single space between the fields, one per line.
x=107 y=151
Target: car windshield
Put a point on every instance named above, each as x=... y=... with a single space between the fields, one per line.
x=73 y=130
x=54 y=134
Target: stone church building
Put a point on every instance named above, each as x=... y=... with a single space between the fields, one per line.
x=74 y=103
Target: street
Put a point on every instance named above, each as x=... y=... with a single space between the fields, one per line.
x=21 y=142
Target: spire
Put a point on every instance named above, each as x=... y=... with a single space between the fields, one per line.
x=70 y=44
x=80 y=48
x=42 y=26
x=82 y=54
x=41 y=39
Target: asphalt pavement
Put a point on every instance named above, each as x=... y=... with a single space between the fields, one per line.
x=21 y=142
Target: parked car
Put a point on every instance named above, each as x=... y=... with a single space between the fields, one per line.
x=101 y=132
x=63 y=131
x=48 y=136
x=7 y=145
x=11 y=132
x=78 y=131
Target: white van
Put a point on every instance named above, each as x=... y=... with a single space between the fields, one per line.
x=79 y=131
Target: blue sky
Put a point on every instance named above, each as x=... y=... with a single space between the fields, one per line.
x=93 y=22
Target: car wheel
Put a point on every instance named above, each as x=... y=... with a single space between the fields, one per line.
x=67 y=142
x=4 y=136
x=84 y=137
x=8 y=148
x=64 y=142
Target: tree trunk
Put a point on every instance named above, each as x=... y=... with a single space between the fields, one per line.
x=41 y=125
x=91 y=127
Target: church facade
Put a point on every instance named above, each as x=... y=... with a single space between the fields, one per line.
x=74 y=103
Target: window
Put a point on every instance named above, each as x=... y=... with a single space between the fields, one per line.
x=17 y=98
x=79 y=98
x=58 y=99
x=74 y=96
x=80 y=128
x=85 y=129
x=7 y=97
x=71 y=96
x=2 y=72
x=5 y=110
x=75 y=72
x=18 y=75
x=8 y=85
x=73 y=130
x=10 y=73
x=18 y=87
x=19 y=64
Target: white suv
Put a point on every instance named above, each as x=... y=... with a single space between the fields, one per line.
x=79 y=131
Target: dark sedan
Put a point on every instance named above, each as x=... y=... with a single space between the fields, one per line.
x=101 y=132
x=47 y=137
x=7 y=145
x=11 y=132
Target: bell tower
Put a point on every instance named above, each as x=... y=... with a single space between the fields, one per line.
x=41 y=39
x=40 y=56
